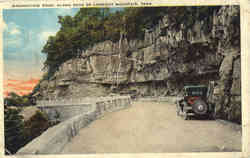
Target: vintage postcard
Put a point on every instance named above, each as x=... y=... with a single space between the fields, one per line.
x=124 y=79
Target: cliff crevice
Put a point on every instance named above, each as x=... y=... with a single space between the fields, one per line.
x=167 y=58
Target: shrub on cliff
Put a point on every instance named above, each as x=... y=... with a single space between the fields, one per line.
x=15 y=100
x=13 y=130
x=17 y=132
x=92 y=25
x=35 y=126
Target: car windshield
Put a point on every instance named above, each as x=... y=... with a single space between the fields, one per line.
x=196 y=91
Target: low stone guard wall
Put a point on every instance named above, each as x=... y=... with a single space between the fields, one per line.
x=64 y=112
x=170 y=99
x=61 y=110
x=55 y=138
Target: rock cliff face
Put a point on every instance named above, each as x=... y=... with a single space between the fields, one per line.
x=229 y=83
x=160 y=64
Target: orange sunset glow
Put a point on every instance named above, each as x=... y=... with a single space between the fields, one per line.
x=20 y=87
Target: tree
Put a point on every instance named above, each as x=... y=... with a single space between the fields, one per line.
x=92 y=25
x=13 y=129
x=15 y=100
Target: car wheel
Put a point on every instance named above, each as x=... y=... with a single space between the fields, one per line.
x=200 y=107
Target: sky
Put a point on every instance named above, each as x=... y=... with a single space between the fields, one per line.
x=25 y=33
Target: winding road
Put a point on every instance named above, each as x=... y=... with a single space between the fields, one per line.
x=153 y=127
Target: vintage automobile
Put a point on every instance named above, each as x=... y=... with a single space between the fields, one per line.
x=195 y=101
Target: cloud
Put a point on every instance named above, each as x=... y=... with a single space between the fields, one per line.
x=45 y=35
x=12 y=35
x=13 y=42
x=23 y=41
x=13 y=29
x=20 y=87
x=4 y=25
x=64 y=11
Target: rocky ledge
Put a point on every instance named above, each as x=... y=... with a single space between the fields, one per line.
x=160 y=64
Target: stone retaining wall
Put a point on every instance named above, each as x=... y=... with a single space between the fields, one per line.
x=170 y=99
x=61 y=110
x=55 y=138
x=62 y=113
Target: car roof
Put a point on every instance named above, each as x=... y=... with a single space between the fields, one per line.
x=195 y=86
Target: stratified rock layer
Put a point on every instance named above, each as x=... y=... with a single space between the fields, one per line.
x=160 y=65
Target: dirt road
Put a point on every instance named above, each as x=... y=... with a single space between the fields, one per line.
x=153 y=127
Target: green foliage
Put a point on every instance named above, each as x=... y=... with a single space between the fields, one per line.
x=93 y=25
x=35 y=126
x=16 y=100
x=17 y=133
x=36 y=88
x=13 y=129
x=76 y=34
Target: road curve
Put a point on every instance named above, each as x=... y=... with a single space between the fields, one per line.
x=153 y=127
